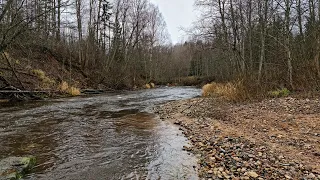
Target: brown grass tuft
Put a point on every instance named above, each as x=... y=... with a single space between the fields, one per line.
x=46 y=82
x=63 y=87
x=74 y=91
x=208 y=89
x=147 y=86
x=39 y=73
x=233 y=91
x=152 y=85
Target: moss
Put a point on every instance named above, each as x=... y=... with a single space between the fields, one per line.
x=28 y=162
x=14 y=168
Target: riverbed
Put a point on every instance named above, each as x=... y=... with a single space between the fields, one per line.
x=110 y=136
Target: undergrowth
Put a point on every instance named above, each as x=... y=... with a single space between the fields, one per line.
x=46 y=82
x=284 y=92
x=233 y=91
x=65 y=88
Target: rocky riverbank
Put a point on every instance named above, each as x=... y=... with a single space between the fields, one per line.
x=271 y=139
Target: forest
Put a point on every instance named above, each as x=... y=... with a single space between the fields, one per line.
x=125 y=44
x=139 y=111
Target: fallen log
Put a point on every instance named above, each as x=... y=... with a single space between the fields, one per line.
x=17 y=95
x=36 y=92
x=92 y=91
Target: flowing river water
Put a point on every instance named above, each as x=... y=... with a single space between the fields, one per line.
x=112 y=136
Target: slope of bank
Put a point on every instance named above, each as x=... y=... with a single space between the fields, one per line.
x=39 y=68
x=272 y=139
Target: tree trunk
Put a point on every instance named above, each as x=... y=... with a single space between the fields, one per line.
x=288 y=47
x=79 y=25
x=263 y=13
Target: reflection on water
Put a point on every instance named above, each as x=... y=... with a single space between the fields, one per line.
x=114 y=136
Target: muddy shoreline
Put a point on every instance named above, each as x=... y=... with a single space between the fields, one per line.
x=271 y=139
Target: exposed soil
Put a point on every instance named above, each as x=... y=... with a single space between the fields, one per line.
x=271 y=139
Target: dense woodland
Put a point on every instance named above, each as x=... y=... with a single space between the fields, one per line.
x=124 y=43
x=271 y=43
x=119 y=44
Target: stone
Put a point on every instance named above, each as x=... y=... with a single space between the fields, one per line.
x=13 y=168
x=288 y=177
x=252 y=174
x=311 y=176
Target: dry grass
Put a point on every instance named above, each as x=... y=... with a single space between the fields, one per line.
x=65 y=88
x=208 y=89
x=147 y=86
x=74 y=91
x=39 y=73
x=152 y=85
x=46 y=82
x=233 y=91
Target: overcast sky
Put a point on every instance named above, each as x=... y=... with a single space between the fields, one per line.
x=177 y=13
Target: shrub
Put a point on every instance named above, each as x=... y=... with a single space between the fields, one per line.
x=189 y=81
x=46 y=82
x=284 y=92
x=39 y=73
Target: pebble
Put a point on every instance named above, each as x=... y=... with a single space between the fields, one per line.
x=311 y=176
x=288 y=177
x=229 y=157
x=252 y=174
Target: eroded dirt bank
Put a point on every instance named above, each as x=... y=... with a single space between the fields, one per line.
x=272 y=139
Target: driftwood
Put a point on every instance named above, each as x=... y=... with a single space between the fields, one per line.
x=14 y=94
x=92 y=91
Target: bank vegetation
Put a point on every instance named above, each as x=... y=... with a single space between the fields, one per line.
x=252 y=47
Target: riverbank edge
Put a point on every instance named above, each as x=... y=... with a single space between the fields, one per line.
x=32 y=96
x=228 y=155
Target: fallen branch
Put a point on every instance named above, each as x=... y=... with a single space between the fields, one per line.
x=14 y=72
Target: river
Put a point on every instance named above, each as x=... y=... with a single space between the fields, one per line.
x=111 y=136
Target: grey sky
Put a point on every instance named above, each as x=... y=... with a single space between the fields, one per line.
x=177 y=13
